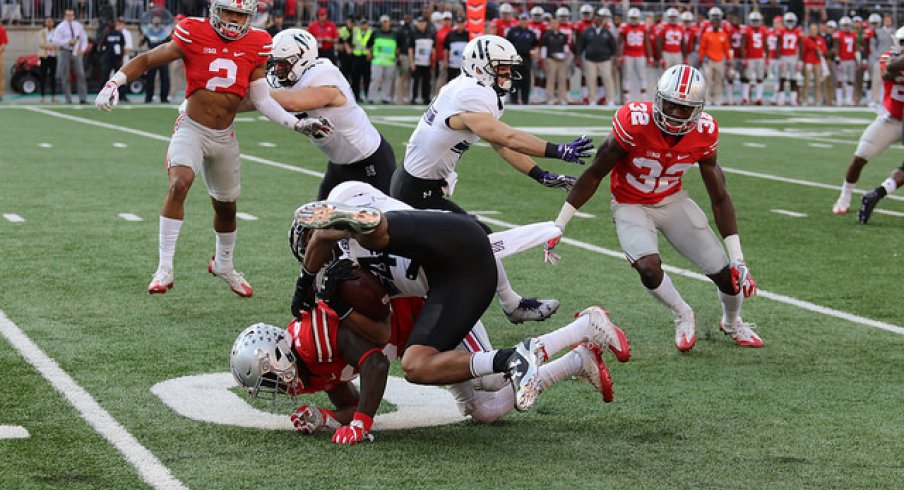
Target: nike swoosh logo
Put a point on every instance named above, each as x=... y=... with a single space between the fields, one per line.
x=237 y=54
x=681 y=157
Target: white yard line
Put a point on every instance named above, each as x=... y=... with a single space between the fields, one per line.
x=130 y=217
x=13 y=218
x=246 y=216
x=151 y=470
x=13 y=432
x=889 y=213
x=793 y=214
x=587 y=246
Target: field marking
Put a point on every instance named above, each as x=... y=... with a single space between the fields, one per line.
x=13 y=218
x=781 y=298
x=793 y=214
x=151 y=470
x=754 y=145
x=246 y=216
x=130 y=217
x=267 y=144
x=766 y=294
x=806 y=183
x=120 y=145
x=13 y=432
x=45 y=145
x=581 y=214
x=819 y=145
x=889 y=213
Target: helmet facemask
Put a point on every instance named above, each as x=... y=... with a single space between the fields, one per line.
x=675 y=118
x=503 y=82
x=262 y=361
x=231 y=31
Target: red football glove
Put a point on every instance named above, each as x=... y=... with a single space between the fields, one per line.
x=355 y=432
x=742 y=280
x=309 y=419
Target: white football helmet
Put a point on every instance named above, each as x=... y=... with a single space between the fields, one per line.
x=506 y=9
x=790 y=20
x=687 y=17
x=671 y=16
x=875 y=19
x=897 y=41
x=714 y=13
x=755 y=19
x=680 y=85
x=294 y=52
x=231 y=31
x=604 y=12
x=845 y=23
x=483 y=55
x=537 y=13
x=563 y=13
x=262 y=360
x=586 y=9
x=634 y=16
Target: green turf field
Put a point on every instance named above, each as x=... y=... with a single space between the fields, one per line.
x=819 y=407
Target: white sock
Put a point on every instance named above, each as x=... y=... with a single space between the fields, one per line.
x=781 y=98
x=669 y=296
x=794 y=98
x=561 y=368
x=839 y=100
x=731 y=307
x=847 y=189
x=225 y=244
x=759 y=91
x=482 y=363
x=507 y=296
x=565 y=337
x=746 y=92
x=169 y=233
x=890 y=185
x=849 y=94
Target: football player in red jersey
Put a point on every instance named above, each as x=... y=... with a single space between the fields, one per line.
x=651 y=146
x=789 y=58
x=670 y=40
x=849 y=55
x=634 y=53
x=884 y=131
x=754 y=56
x=224 y=58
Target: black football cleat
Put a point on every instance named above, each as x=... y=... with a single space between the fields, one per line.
x=867 y=205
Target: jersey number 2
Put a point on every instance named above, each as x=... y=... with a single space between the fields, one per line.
x=219 y=66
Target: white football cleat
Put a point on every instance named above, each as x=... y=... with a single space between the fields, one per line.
x=602 y=332
x=236 y=280
x=742 y=333
x=532 y=309
x=842 y=205
x=685 y=326
x=162 y=282
x=594 y=370
x=524 y=373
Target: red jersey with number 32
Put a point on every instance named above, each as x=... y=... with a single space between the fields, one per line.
x=652 y=169
x=313 y=338
x=893 y=98
x=214 y=64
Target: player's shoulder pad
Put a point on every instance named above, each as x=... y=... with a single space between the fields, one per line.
x=474 y=96
x=322 y=73
x=188 y=28
x=708 y=126
x=629 y=122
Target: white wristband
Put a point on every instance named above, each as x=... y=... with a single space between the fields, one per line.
x=120 y=78
x=733 y=244
x=565 y=215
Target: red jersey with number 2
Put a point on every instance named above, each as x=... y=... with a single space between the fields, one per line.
x=214 y=64
x=893 y=99
x=652 y=169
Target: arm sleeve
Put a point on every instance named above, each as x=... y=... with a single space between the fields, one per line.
x=260 y=97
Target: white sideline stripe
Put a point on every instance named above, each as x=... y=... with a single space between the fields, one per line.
x=267 y=144
x=819 y=145
x=806 y=183
x=755 y=145
x=781 y=298
x=246 y=216
x=483 y=212
x=13 y=432
x=120 y=145
x=776 y=297
x=889 y=213
x=580 y=214
x=151 y=470
x=14 y=218
x=793 y=214
x=130 y=217
x=45 y=145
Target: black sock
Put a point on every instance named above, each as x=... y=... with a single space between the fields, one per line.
x=881 y=192
x=500 y=360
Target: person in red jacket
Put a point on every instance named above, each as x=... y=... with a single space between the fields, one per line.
x=814 y=52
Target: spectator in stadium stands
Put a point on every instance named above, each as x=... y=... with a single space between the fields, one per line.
x=344 y=47
x=4 y=40
x=327 y=35
x=595 y=50
x=715 y=53
x=440 y=73
x=112 y=46
x=47 y=52
x=403 y=79
x=72 y=40
x=277 y=21
x=554 y=49
x=360 y=58
x=421 y=55
x=454 y=44
x=526 y=43
x=163 y=70
x=828 y=85
x=383 y=48
x=814 y=51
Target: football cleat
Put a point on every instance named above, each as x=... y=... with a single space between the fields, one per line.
x=742 y=333
x=602 y=333
x=325 y=214
x=685 y=337
x=842 y=204
x=524 y=373
x=162 y=282
x=532 y=309
x=593 y=369
x=867 y=205
x=236 y=280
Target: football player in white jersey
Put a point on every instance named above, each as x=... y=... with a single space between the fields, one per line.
x=314 y=87
x=467 y=109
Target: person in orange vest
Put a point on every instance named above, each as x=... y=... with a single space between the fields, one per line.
x=714 y=52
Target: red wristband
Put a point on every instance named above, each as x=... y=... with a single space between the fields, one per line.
x=366 y=420
x=367 y=354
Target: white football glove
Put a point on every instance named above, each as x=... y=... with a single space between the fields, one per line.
x=108 y=96
x=315 y=127
x=549 y=255
x=742 y=280
x=309 y=419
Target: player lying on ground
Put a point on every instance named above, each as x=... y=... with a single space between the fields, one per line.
x=650 y=148
x=224 y=58
x=886 y=129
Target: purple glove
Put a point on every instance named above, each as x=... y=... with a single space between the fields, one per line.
x=571 y=152
x=552 y=179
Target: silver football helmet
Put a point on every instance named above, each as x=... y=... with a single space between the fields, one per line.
x=231 y=31
x=506 y=9
x=482 y=57
x=683 y=86
x=586 y=10
x=262 y=361
x=755 y=19
x=874 y=20
x=845 y=23
x=714 y=13
x=687 y=17
x=790 y=20
x=634 y=16
x=563 y=14
x=671 y=16
x=536 y=13
x=897 y=41
x=294 y=52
